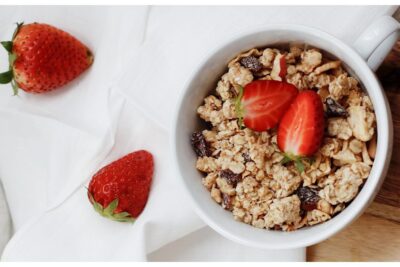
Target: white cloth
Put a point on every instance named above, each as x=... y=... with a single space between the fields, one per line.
x=5 y=223
x=53 y=143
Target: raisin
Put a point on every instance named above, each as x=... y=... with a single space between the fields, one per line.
x=302 y=213
x=334 y=109
x=309 y=198
x=200 y=145
x=226 y=202
x=251 y=63
x=231 y=177
x=277 y=227
x=246 y=157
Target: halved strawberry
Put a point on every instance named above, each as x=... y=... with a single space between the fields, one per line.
x=262 y=103
x=301 y=129
x=283 y=66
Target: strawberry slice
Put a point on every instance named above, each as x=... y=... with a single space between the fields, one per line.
x=279 y=69
x=262 y=103
x=301 y=129
x=283 y=67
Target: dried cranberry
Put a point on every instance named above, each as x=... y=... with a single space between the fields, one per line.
x=200 y=145
x=231 y=177
x=226 y=202
x=251 y=63
x=309 y=198
x=334 y=109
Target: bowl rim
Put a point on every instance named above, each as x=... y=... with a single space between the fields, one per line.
x=385 y=139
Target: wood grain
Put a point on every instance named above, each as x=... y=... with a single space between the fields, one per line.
x=390 y=191
x=389 y=75
x=375 y=236
x=384 y=212
x=370 y=238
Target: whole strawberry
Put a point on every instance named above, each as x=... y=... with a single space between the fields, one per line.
x=43 y=58
x=119 y=191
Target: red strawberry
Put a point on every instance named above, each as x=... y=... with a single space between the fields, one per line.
x=119 y=191
x=43 y=58
x=283 y=67
x=280 y=67
x=262 y=103
x=301 y=129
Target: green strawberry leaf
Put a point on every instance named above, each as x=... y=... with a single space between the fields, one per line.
x=6 y=77
x=14 y=87
x=11 y=58
x=7 y=45
x=286 y=159
x=109 y=210
x=97 y=207
x=123 y=216
x=299 y=165
x=298 y=161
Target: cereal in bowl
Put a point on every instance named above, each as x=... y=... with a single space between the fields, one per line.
x=290 y=140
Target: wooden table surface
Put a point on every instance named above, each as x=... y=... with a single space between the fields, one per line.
x=375 y=236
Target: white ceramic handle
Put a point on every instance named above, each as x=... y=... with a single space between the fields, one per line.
x=377 y=40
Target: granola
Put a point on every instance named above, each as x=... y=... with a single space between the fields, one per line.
x=243 y=169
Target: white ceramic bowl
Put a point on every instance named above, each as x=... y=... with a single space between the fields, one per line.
x=204 y=81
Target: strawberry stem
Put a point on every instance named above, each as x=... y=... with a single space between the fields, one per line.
x=19 y=25
x=299 y=165
x=14 y=87
x=298 y=161
x=286 y=159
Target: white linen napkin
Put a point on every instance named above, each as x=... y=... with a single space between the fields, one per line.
x=5 y=220
x=53 y=141
x=73 y=231
x=52 y=144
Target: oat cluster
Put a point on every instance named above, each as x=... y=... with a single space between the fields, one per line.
x=243 y=169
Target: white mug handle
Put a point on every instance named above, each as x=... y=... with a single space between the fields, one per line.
x=377 y=40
